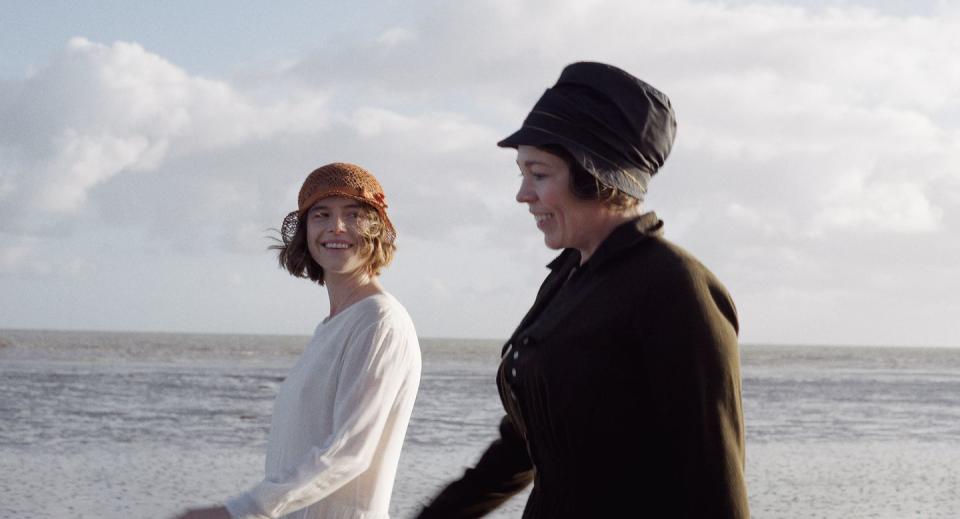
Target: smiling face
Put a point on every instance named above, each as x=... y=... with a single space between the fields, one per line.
x=565 y=220
x=334 y=236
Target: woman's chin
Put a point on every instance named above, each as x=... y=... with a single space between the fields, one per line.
x=551 y=243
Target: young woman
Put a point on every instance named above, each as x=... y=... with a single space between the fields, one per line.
x=622 y=384
x=342 y=412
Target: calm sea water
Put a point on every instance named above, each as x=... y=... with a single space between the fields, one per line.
x=126 y=424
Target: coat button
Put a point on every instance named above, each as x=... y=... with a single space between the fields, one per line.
x=526 y=341
x=513 y=372
x=515 y=355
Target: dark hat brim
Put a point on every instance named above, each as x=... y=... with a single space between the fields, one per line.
x=527 y=136
x=531 y=136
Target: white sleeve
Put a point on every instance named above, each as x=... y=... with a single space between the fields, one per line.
x=375 y=367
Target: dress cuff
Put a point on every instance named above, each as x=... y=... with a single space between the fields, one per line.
x=244 y=507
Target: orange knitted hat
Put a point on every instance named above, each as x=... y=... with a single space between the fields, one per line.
x=338 y=179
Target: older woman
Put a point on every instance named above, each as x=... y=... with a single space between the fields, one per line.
x=342 y=412
x=621 y=384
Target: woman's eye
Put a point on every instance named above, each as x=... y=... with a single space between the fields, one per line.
x=534 y=175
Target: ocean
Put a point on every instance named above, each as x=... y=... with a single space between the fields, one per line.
x=118 y=425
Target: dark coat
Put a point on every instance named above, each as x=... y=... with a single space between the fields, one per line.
x=622 y=392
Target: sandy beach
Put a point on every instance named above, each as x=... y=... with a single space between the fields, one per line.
x=825 y=480
x=124 y=425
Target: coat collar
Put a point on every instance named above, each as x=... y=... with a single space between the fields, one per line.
x=621 y=238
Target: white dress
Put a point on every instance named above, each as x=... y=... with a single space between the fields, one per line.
x=340 y=418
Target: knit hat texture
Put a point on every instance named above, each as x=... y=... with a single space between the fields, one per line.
x=338 y=179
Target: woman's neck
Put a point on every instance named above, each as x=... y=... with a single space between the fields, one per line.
x=603 y=226
x=344 y=291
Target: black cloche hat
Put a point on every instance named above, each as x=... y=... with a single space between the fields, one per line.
x=619 y=128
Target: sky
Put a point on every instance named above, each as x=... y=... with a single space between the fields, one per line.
x=146 y=150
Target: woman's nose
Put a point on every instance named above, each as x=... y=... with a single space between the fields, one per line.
x=339 y=225
x=525 y=194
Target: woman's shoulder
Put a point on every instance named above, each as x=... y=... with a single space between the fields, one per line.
x=382 y=311
x=665 y=256
x=386 y=324
x=383 y=306
x=664 y=264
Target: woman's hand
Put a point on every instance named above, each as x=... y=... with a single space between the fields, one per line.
x=216 y=512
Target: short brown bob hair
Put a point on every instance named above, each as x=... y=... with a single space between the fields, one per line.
x=376 y=247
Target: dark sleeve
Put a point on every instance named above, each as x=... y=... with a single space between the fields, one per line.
x=693 y=371
x=503 y=470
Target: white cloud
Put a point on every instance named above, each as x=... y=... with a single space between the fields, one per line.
x=98 y=112
x=396 y=36
x=28 y=257
x=84 y=161
x=430 y=133
x=803 y=131
x=882 y=206
x=13 y=257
